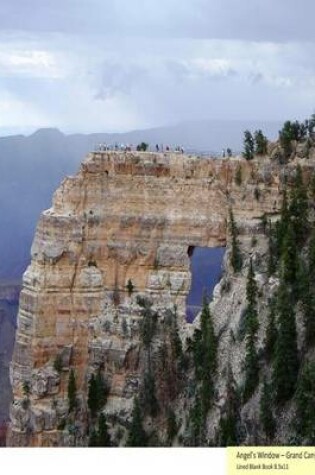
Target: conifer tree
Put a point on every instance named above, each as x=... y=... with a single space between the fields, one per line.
x=236 y=256
x=311 y=258
x=172 y=427
x=93 y=439
x=137 y=436
x=97 y=393
x=306 y=279
x=312 y=187
x=104 y=439
x=306 y=297
x=305 y=400
x=289 y=260
x=261 y=143
x=282 y=225
x=251 y=297
x=298 y=208
x=197 y=423
x=101 y=388
x=266 y=415
x=251 y=366
x=72 y=391
x=271 y=333
x=208 y=336
x=286 y=363
x=272 y=254
x=205 y=353
x=197 y=349
x=93 y=402
x=286 y=135
x=150 y=402
x=249 y=145
x=176 y=342
x=228 y=428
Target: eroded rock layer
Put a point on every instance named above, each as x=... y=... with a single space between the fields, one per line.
x=120 y=228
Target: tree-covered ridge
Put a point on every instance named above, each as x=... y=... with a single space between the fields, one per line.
x=291 y=134
x=278 y=370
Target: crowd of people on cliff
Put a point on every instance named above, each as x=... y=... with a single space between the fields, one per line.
x=103 y=147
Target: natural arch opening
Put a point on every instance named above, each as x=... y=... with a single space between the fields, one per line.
x=206 y=271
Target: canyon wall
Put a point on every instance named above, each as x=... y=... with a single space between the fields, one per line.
x=121 y=228
x=9 y=299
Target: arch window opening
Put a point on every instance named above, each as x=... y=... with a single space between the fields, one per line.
x=206 y=271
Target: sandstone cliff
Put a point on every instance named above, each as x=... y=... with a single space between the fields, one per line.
x=119 y=230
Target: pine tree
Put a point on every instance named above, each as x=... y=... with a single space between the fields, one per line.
x=176 y=342
x=72 y=391
x=97 y=393
x=311 y=125
x=266 y=415
x=205 y=353
x=286 y=135
x=172 y=427
x=298 y=208
x=228 y=428
x=305 y=400
x=289 y=260
x=150 y=402
x=103 y=435
x=93 y=439
x=101 y=389
x=251 y=297
x=208 y=336
x=130 y=287
x=286 y=363
x=261 y=143
x=311 y=258
x=312 y=187
x=137 y=436
x=306 y=297
x=251 y=366
x=93 y=402
x=236 y=256
x=148 y=324
x=249 y=145
x=271 y=333
x=197 y=420
x=272 y=254
x=197 y=353
x=282 y=225
x=306 y=279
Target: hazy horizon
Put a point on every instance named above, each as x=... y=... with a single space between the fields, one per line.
x=28 y=131
x=117 y=66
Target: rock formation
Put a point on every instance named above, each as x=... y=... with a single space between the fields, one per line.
x=9 y=299
x=119 y=230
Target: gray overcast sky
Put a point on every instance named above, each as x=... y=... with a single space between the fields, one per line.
x=115 y=65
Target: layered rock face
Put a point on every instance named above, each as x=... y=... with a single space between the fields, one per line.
x=9 y=299
x=120 y=228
